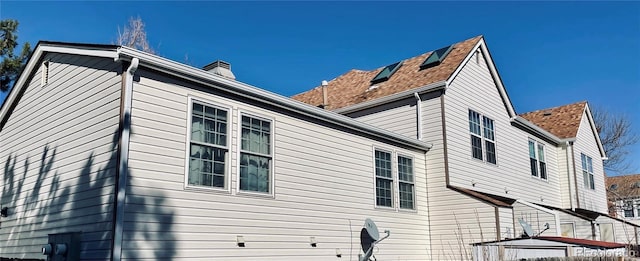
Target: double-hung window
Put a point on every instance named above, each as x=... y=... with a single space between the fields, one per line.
x=390 y=188
x=384 y=179
x=406 y=182
x=628 y=208
x=587 y=171
x=489 y=140
x=476 y=135
x=256 y=154
x=482 y=131
x=537 y=159
x=208 y=148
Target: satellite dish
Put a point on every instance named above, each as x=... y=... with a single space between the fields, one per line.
x=365 y=240
x=371 y=229
x=528 y=232
x=368 y=234
x=369 y=237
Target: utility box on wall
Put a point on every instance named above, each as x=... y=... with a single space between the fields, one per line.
x=63 y=247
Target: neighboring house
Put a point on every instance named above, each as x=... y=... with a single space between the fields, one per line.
x=623 y=194
x=488 y=167
x=132 y=156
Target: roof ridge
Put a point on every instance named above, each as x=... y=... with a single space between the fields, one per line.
x=351 y=87
x=428 y=52
x=553 y=108
x=624 y=176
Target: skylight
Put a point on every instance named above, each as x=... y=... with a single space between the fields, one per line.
x=386 y=73
x=436 y=57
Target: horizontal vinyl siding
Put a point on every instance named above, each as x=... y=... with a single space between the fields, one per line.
x=582 y=227
x=565 y=174
x=399 y=117
x=622 y=233
x=475 y=89
x=456 y=220
x=595 y=200
x=324 y=188
x=58 y=153
x=507 y=229
x=535 y=218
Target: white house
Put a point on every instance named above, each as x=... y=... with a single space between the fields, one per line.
x=125 y=155
x=146 y=158
x=488 y=166
x=623 y=193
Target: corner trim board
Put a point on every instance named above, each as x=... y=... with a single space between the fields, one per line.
x=444 y=140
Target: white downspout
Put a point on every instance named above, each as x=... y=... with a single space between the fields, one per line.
x=569 y=176
x=418 y=114
x=124 y=157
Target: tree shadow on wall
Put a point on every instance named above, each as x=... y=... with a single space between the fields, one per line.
x=61 y=194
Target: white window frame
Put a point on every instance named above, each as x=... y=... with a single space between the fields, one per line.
x=573 y=228
x=486 y=140
x=476 y=135
x=229 y=109
x=413 y=183
x=539 y=160
x=628 y=207
x=483 y=137
x=613 y=231
x=587 y=171
x=239 y=152
x=393 y=179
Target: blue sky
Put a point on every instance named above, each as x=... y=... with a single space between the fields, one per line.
x=547 y=53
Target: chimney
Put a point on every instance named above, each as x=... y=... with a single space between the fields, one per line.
x=221 y=68
x=325 y=101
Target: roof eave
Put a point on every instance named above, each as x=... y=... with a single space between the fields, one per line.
x=481 y=45
x=251 y=92
x=39 y=51
x=595 y=131
x=537 y=130
x=394 y=97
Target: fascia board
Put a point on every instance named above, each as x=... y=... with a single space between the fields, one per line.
x=263 y=96
x=394 y=97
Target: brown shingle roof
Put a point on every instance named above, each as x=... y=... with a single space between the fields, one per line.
x=626 y=186
x=353 y=87
x=562 y=121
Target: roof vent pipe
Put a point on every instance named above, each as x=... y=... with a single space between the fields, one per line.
x=325 y=99
x=221 y=68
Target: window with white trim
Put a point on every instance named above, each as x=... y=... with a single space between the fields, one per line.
x=537 y=159
x=406 y=186
x=256 y=154
x=208 y=148
x=567 y=230
x=476 y=135
x=482 y=137
x=587 y=171
x=384 y=179
x=489 y=140
x=628 y=208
